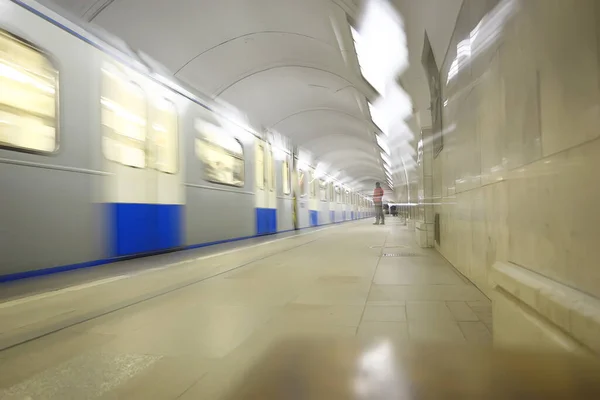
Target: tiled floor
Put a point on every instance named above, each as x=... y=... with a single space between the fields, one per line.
x=194 y=342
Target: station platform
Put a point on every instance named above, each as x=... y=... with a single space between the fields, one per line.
x=189 y=325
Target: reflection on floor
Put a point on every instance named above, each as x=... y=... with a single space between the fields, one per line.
x=193 y=343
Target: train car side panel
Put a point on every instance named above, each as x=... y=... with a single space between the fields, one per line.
x=49 y=215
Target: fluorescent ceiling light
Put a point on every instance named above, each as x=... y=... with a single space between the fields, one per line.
x=383 y=144
x=383 y=43
x=386 y=159
x=368 y=65
x=387 y=168
x=394 y=105
x=378 y=118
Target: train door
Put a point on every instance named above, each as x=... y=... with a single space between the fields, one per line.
x=266 y=196
x=331 y=198
x=139 y=142
x=271 y=194
x=313 y=202
x=323 y=202
x=285 y=203
x=302 y=197
x=163 y=155
x=338 y=203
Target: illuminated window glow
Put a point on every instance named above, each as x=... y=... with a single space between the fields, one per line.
x=301 y=183
x=323 y=189
x=164 y=136
x=285 y=173
x=222 y=155
x=260 y=167
x=123 y=116
x=271 y=170
x=28 y=97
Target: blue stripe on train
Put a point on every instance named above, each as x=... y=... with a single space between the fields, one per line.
x=313 y=217
x=143 y=228
x=266 y=221
x=332 y=216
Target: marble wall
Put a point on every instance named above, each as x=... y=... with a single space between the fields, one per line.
x=424 y=223
x=519 y=176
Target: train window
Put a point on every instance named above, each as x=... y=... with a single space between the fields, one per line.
x=285 y=173
x=28 y=97
x=331 y=198
x=273 y=184
x=123 y=119
x=302 y=186
x=271 y=170
x=323 y=189
x=312 y=184
x=222 y=155
x=338 y=194
x=260 y=167
x=164 y=136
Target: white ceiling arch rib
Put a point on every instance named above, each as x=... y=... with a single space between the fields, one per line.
x=251 y=34
x=227 y=86
x=368 y=124
x=306 y=129
x=292 y=90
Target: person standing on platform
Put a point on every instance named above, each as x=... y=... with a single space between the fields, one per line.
x=378 y=202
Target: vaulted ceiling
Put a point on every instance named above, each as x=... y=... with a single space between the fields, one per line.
x=289 y=65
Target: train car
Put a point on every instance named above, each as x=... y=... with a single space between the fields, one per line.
x=324 y=216
x=102 y=158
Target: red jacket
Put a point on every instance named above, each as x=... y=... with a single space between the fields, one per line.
x=377 y=195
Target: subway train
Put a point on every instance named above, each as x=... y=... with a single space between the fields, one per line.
x=103 y=158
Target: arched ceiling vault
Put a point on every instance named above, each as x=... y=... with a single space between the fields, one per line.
x=254 y=34
x=289 y=65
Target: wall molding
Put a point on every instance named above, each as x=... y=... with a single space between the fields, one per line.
x=574 y=312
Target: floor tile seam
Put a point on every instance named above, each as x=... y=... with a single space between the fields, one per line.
x=454 y=318
x=371 y=285
x=478 y=317
x=202 y=376
x=462 y=332
x=468 y=306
